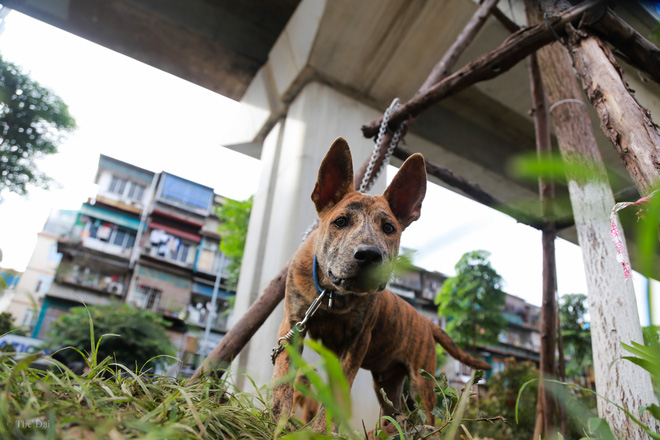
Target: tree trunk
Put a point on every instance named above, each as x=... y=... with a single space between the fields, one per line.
x=612 y=304
x=546 y=403
x=624 y=121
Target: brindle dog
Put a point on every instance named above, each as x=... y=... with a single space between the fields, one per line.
x=355 y=247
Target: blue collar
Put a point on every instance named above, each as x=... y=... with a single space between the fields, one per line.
x=327 y=292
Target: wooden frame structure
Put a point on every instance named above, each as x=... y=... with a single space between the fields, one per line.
x=584 y=29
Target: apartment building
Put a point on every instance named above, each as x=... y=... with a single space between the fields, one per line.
x=40 y=272
x=148 y=239
x=521 y=339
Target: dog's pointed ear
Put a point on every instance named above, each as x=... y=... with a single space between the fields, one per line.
x=335 y=176
x=407 y=190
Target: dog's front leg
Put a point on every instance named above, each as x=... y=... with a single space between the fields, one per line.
x=351 y=361
x=283 y=390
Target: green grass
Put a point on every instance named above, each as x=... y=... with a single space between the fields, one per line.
x=111 y=401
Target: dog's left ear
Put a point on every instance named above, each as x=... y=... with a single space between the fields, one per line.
x=407 y=190
x=335 y=176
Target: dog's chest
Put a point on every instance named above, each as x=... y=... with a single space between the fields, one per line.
x=337 y=331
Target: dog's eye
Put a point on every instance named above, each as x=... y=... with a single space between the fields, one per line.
x=388 y=228
x=341 y=222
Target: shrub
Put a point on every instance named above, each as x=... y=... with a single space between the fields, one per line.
x=132 y=336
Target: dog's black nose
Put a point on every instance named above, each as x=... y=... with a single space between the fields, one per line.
x=368 y=255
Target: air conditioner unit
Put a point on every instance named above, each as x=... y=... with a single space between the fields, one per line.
x=116 y=288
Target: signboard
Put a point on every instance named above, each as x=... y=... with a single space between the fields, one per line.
x=22 y=344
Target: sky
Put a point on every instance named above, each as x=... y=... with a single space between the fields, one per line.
x=138 y=114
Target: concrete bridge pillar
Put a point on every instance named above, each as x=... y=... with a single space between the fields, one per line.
x=291 y=155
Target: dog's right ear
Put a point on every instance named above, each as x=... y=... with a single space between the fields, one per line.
x=335 y=177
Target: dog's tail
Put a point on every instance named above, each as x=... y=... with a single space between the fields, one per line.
x=442 y=338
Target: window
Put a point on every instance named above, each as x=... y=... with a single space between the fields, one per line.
x=136 y=191
x=53 y=255
x=43 y=284
x=123 y=238
x=117 y=185
x=28 y=318
x=127 y=188
x=497 y=367
x=181 y=253
x=187 y=194
x=147 y=297
x=153 y=297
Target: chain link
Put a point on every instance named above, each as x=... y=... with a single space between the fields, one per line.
x=367 y=180
x=299 y=327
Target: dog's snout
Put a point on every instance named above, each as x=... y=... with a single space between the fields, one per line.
x=368 y=255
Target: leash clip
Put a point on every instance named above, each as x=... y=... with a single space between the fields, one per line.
x=299 y=327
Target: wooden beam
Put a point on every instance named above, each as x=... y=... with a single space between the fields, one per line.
x=478 y=194
x=624 y=121
x=508 y=54
x=637 y=50
x=441 y=70
x=464 y=39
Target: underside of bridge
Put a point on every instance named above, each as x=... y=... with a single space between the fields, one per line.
x=373 y=51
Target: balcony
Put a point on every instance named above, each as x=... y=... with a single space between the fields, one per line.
x=150 y=298
x=104 y=236
x=95 y=279
x=199 y=317
x=182 y=257
x=198 y=310
x=106 y=247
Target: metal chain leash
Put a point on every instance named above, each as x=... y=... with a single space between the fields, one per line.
x=299 y=327
x=367 y=181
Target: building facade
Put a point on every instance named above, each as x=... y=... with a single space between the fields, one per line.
x=150 y=240
x=521 y=339
x=40 y=272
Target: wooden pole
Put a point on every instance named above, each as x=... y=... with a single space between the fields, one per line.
x=546 y=403
x=624 y=121
x=464 y=39
x=612 y=304
x=561 y=370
